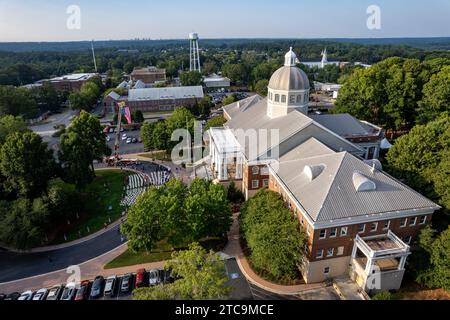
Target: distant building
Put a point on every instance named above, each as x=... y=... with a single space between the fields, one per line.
x=156 y=99
x=215 y=81
x=70 y=82
x=148 y=75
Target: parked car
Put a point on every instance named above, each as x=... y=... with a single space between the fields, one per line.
x=110 y=286
x=108 y=138
x=164 y=276
x=55 y=293
x=27 y=295
x=83 y=292
x=124 y=136
x=97 y=287
x=153 y=277
x=112 y=130
x=134 y=140
x=41 y=294
x=12 y=296
x=140 y=278
x=129 y=140
x=69 y=291
x=125 y=286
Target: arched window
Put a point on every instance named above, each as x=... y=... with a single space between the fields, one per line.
x=277 y=98
x=291 y=99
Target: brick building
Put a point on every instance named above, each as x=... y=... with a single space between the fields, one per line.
x=70 y=82
x=359 y=220
x=148 y=75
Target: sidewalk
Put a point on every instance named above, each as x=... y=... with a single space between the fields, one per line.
x=234 y=249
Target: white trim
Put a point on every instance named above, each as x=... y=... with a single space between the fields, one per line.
x=376 y=226
x=328 y=252
x=404 y=222
x=335 y=234
x=344 y=234
x=363 y=229
x=425 y=218
x=325 y=234
x=321 y=253
x=388 y=225
x=414 y=220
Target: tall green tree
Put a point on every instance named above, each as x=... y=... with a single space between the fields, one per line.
x=191 y=78
x=81 y=144
x=202 y=276
x=17 y=102
x=10 y=124
x=26 y=163
x=273 y=235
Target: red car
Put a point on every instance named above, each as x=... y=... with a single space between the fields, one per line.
x=83 y=292
x=140 y=278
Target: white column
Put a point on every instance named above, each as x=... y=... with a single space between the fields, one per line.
x=355 y=249
x=369 y=266
x=401 y=265
x=238 y=167
x=225 y=175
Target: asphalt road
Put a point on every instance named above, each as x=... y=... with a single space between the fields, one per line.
x=125 y=148
x=16 y=266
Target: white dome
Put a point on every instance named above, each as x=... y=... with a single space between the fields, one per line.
x=289 y=77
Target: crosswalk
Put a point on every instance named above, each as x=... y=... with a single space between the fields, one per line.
x=139 y=182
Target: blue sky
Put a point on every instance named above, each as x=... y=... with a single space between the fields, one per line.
x=45 y=20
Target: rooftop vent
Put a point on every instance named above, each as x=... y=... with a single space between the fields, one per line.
x=313 y=172
x=362 y=183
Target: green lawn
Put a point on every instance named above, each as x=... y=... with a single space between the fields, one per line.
x=98 y=199
x=158 y=155
x=162 y=252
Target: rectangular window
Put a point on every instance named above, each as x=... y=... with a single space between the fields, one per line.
x=333 y=232
x=319 y=254
x=326 y=270
x=374 y=227
x=407 y=239
x=255 y=184
x=340 y=251
x=299 y=98
x=323 y=234
x=386 y=225
x=330 y=252
x=283 y=98
x=361 y=228
x=266 y=182
x=413 y=221
x=403 y=222
x=423 y=219
x=265 y=171
x=344 y=231
x=277 y=98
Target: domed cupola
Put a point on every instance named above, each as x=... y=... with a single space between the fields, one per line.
x=288 y=89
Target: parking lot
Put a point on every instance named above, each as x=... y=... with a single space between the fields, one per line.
x=124 y=147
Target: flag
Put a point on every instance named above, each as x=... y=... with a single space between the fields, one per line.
x=126 y=112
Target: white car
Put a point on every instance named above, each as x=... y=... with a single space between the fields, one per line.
x=40 y=294
x=108 y=138
x=110 y=285
x=27 y=295
x=129 y=140
x=69 y=291
x=124 y=136
x=153 y=277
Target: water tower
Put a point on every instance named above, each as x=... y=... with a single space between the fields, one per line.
x=194 y=53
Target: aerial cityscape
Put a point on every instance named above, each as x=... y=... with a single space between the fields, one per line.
x=199 y=160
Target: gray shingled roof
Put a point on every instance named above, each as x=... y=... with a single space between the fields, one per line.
x=345 y=125
x=253 y=116
x=332 y=194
